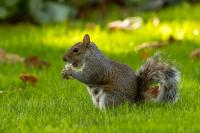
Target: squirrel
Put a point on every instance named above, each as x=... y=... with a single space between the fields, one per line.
x=111 y=83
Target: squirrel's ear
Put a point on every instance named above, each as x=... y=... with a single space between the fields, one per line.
x=86 y=40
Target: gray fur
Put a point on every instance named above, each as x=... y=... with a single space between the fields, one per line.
x=99 y=72
x=110 y=83
x=156 y=71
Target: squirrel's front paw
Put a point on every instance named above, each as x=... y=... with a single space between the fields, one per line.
x=66 y=73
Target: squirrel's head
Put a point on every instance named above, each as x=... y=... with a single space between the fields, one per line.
x=76 y=54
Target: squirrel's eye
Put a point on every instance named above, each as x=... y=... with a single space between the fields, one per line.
x=75 y=50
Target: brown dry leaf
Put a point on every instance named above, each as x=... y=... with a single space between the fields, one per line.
x=13 y=58
x=34 y=61
x=10 y=57
x=195 y=53
x=29 y=78
x=144 y=54
x=130 y=23
x=156 y=44
x=152 y=93
x=151 y=45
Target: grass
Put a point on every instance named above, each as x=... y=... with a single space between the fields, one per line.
x=57 y=105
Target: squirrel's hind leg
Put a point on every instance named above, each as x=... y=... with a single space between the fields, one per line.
x=103 y=99
x=96 y=93
x=111 y=99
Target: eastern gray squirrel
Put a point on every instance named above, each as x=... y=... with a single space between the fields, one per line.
x=111 y=83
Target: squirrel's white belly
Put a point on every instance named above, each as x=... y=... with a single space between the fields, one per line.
x=98 y=96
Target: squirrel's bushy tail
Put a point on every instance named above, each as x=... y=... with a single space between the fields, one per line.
x=156 y=71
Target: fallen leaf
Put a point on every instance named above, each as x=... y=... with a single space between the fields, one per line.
x=156 y=44
x=13 y=58
x=195 y=53
x=152 y=93
x=34 y=61
x=151 y=45
x=144 y=54
x=130 y=23
x=29 y=78
x=10 y=57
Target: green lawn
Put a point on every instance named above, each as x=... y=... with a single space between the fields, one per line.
x=57 y=105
